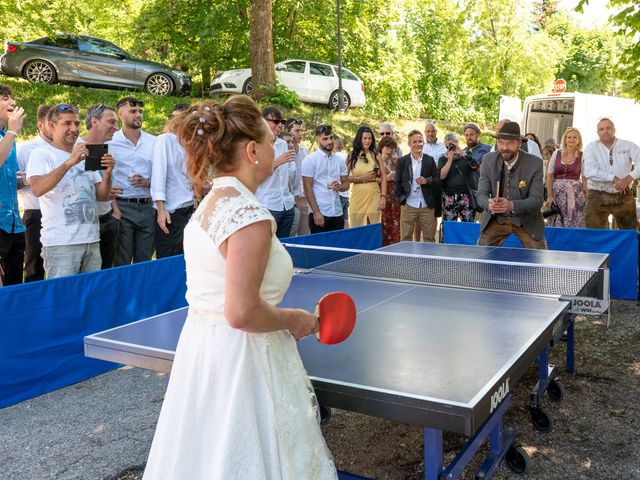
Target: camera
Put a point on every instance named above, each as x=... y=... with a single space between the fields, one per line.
x=551 y=211
x=451 y=147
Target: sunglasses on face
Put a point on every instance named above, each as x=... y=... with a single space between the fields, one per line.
x=324 y=129
x=383 y=134
x=276 y=121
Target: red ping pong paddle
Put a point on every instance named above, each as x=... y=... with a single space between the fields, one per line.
x=337 y=315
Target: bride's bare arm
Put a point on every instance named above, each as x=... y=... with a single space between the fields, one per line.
x=247 y=253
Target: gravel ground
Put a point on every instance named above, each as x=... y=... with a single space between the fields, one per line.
x=102 y=428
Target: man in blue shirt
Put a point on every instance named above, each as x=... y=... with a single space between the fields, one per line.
x=12 y=240
x=475 y=148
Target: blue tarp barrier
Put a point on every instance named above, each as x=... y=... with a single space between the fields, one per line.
x=42 y=324
x=368 y=237
x=621 y=245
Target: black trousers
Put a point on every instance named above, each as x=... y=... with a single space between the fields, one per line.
x=330 y=224
x=33 y=263
x=169 y=244
x=109 y=227
x=12 y=256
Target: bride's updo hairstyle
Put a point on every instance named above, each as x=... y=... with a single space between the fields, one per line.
x=213 y=133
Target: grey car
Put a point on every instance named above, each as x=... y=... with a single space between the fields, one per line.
x=91 y=61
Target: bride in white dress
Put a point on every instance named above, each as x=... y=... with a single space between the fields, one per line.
x=239 y=404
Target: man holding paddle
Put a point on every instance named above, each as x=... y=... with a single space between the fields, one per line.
x=511 y=191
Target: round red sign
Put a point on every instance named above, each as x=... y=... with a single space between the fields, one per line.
x=559 y=86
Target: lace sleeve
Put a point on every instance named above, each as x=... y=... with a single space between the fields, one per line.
x=227 y=210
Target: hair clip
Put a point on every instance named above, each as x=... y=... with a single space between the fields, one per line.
x=207 y=109
x=194 y=111
x=200 y=131
x=202 y=120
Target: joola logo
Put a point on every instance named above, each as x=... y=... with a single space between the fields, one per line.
x=498 y=396
x=586 y=303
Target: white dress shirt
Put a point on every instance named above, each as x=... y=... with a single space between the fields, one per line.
x=601 y=165
x=131 y=159
x=301 y=155
x=274 y=192
x=169 y=179
x=436 y=150
x=28 y=201
x=416 y=198
x=325 y=169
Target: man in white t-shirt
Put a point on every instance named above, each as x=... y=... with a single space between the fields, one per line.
x=133 y=149
x=32 y=216
x=324 y=175
x=102 y=122
x=338 y=147
x=294 y=128
x=67 y=192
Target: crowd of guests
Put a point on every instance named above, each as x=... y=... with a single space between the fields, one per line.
x=138 y=199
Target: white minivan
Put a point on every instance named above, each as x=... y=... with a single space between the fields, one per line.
x=549 y=115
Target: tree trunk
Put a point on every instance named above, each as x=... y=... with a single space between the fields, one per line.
x=261 y=48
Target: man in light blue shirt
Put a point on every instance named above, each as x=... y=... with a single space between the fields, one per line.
x=12 y=241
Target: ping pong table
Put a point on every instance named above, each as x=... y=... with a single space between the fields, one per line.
x=443 y=334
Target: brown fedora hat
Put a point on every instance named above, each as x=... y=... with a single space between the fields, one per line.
x=509 y=131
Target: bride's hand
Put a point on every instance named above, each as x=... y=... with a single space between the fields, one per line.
x=303 y=324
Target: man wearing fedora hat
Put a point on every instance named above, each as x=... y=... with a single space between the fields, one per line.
x=511 y=191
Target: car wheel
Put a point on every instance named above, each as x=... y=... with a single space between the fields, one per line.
x=159 y=84
x=247 y=88
x=39 y=71
x=334 y=98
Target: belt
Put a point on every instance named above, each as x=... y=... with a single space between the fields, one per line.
x=145 y=200
x=105 y=215
x=615 y=194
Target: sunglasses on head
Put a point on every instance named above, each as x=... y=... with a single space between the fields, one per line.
x=324 y=129
x=294 y=121
x=276 y=121
x=65 y=108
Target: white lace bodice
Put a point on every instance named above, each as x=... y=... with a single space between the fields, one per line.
x=227 y=208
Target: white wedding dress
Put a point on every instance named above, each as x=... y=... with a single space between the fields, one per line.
x=239 y=405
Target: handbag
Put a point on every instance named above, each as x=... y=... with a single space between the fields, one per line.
x=473 y=194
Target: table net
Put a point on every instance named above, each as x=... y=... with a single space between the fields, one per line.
x=518 y=277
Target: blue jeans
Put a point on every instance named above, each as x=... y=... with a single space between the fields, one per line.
x=284 y=221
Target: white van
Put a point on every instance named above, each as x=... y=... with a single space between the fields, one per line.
x=549 y=115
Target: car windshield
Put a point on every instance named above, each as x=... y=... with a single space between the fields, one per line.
x=94 y=45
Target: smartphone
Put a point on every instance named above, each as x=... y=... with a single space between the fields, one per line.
x=376 y=170
x=92 y=162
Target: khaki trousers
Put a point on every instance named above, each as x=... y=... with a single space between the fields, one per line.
x=496 y=234
x=425 y=216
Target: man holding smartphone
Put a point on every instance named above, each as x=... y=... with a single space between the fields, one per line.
x=56 y=172
x=102 y=122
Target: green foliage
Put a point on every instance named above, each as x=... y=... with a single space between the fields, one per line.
x=430 y=58
x=283 y=97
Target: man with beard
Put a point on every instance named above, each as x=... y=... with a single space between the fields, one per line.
x=56 y=172
x=101 y=122
x=324 y=174
x=32 y=216
x=510 y=191
x=133 y=148
x=294 y=128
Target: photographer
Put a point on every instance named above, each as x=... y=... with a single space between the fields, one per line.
x=457 y=178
